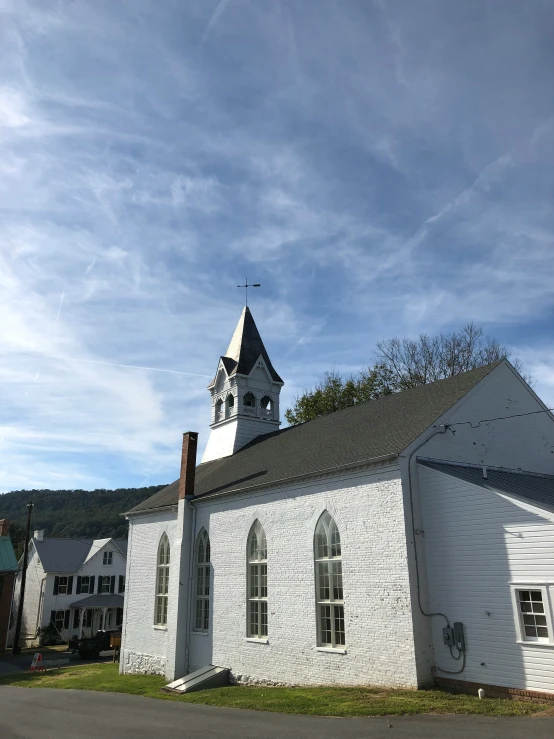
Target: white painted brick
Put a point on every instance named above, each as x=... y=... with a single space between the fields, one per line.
x=368 y=510
x=145 y=647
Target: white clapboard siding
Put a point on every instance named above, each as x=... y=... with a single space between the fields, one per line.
x=477 y=542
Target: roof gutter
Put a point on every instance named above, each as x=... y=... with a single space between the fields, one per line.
x=294 y=478
x=151 y=510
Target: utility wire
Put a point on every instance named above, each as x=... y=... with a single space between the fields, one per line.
x=476 y=424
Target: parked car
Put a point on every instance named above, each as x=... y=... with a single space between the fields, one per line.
x=90 y=648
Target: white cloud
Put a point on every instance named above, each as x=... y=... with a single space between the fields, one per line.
x=377 y=167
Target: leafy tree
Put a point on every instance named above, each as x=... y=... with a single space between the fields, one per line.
x=335 y=392
x=401 y=364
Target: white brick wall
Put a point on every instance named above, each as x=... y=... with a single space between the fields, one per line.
x=34 y=592
x=145 y=647
x=379 y=635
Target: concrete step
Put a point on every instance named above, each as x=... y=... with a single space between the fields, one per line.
x=209 y=676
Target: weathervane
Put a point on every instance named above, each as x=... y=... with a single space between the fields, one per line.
x=246 y=286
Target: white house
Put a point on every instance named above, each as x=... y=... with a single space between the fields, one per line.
x=76 y=584
x=337 y=551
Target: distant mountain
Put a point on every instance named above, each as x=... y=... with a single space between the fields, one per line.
x=83 y=514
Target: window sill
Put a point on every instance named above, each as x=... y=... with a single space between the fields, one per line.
x=253 y=640
x=159 y=627
x=331 y=650
x=535 y=643
x=200 y=633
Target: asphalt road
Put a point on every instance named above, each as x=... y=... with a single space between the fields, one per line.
x=27 y=713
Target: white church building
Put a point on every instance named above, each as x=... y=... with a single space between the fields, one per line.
x=403 y=540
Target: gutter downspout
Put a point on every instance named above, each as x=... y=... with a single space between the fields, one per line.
x=442 y=429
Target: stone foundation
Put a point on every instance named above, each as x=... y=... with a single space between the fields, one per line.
x=135 y=663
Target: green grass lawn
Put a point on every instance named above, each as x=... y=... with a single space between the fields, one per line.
x=314 y=701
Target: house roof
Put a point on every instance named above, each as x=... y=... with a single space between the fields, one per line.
x=245 y=349
x=68 y=555
x=535 y=488
x=364 y=432
x=8 y=561
x=99 y=600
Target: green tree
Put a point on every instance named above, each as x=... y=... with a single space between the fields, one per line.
x=335 y=392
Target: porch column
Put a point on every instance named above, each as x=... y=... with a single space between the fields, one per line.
x=81 y=621
x=104 y=611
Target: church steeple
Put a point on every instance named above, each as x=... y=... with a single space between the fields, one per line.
x=245 y=392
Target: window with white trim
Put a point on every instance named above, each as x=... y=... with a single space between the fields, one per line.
x=328 y=576
x=532 y=608
x=203 y=574
x=257 y=582
x=105 y=584
x=108 y=558
x=162 y=582
x=85 y=584
x=63 y=581
x=59 y=620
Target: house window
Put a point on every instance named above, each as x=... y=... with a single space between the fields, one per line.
x=105 y=584
x=108 y=558
x=62 y=585
x=257 y=582
x=328 y=576
x=533 y=615
x=203 y=573
x=60 y=619
x=85 y=584
x=162 y=582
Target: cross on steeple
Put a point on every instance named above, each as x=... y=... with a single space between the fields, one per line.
x=246 y=286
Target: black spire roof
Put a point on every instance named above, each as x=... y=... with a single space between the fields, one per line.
x=245 y=349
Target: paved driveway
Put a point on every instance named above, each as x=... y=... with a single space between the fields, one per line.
x=27 y=713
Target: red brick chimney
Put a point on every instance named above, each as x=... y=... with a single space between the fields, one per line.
x=188 y=464
x=4 y=527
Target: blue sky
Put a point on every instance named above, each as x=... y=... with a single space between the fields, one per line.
x=382 y=168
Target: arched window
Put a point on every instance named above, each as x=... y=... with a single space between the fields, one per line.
x=257 y=582
x=230 y=400
x=218 y=407
x=328 y=576
x=249 y=400
x=162 y=582
x=203 y=573
x=266 y=403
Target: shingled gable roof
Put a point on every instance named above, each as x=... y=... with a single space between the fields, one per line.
x=68 y=555
x=245 y=348
x=364 y=432
x=535 y=488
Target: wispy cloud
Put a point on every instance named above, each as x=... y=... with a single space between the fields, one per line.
x=378 y=167
x=216 y=15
